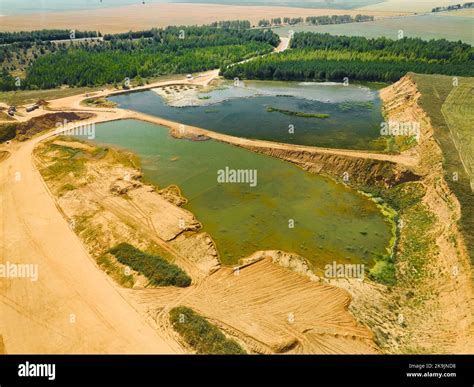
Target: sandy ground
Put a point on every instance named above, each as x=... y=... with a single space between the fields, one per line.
x=72 y=307
x=268 y=308
x=139 y=17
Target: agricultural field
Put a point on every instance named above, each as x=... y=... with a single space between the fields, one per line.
x=459 y=116
x=420 y=26
x=408 y=5
x=448 y=113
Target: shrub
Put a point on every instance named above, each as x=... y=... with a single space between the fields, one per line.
x=158 y=271
x=204 y=337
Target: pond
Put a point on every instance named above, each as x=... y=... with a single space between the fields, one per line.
x=306 y=113
x=287 y=209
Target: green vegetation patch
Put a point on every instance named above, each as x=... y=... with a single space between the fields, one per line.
x=271 y=109
x=333 y=58
x=7 y=132
x=67 y=161
x=356 y=105
x=201 y=335
x=435 y=90
x=158 y=271
x=99 y=102
x=415 y=239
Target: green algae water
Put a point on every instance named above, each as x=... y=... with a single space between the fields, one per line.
x=331 y=221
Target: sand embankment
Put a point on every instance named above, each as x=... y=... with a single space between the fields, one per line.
x=448 y=312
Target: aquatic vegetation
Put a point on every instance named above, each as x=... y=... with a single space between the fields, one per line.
x=351 y=105
x=271 y=109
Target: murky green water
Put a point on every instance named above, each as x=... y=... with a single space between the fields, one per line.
x=353 y=123
x=331 y=222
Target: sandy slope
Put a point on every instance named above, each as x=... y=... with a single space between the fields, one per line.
x=35 y=317
x=139 y=17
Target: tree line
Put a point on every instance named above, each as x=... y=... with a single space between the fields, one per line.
x=453 y=7
x=44 y=35
x=315 y=20
x=162 y=33
x=338 y=19
x=170 y=50
x=327 y=57
x=416 y=48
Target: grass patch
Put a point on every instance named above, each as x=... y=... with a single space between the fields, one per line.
x=66 y=188
x=7 y=132
x=99 y=102
x=117 y=273
x=435 y=90
x=61 y=168
x=394 y=144
x=201 y=335
x=158 y=271
x=272 y=109
x=383 y=272
x=415 y=238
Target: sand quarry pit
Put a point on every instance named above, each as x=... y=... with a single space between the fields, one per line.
x=267 y=307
